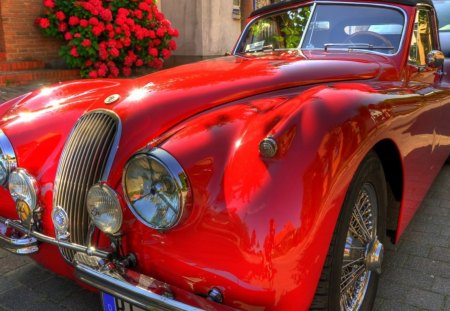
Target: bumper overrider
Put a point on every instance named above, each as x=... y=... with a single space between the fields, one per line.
x=97 y=269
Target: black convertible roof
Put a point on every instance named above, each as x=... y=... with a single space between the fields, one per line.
x=283 y=3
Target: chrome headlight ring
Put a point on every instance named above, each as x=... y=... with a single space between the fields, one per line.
x=8 y=161
x=23 y=187
x=104 y=208
x=156 y=189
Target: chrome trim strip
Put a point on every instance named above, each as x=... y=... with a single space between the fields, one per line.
x=24 y=246
x=139 y=297
x=178 y=175
x=46 y=239
x=7 y=151
x=86 y=159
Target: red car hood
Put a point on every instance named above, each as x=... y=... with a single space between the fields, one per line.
x=199 y=86
x=150 y=105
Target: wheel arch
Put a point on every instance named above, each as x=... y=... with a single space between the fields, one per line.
x=390 y=158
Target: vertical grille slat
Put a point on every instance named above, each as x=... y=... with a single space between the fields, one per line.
x=82 y=164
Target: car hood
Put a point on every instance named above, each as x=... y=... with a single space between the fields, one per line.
x=199 y=86
x=151 y=105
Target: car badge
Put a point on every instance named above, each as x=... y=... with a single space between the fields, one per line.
x=112 y=99
x=61 y=223
x=24 y=212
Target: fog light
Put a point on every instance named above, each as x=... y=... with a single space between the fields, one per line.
x=24 y=212
x=104 y=208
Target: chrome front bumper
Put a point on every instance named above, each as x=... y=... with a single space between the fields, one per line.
x=98 y=277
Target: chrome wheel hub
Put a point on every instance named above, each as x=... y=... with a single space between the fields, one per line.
x=374 y=257
x=363 y=252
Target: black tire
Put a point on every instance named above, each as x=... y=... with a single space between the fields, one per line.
x=369 y=181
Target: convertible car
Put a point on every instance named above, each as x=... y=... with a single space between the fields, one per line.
x=270 y=179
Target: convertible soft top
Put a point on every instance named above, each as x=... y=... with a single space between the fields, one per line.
x=284 y=3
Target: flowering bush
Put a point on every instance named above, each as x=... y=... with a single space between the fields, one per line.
x=106 y=38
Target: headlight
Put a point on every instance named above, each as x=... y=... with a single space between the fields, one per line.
x=156 y=188
x=104 y=208
x=7 y=159
x=23 y=187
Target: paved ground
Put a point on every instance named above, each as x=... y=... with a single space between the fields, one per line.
x=416 y=276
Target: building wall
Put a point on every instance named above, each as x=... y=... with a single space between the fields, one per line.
x=207 y=28
x=2 y=41
x=21 y=39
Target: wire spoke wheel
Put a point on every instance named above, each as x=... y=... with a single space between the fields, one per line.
x=360 y=236
x=351 y=271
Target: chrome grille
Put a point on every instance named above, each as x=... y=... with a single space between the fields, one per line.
x=85 y=161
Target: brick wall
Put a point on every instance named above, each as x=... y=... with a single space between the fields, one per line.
x=2 y=44
x=21 y=39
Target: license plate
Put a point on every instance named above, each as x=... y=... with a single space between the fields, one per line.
x=111 y=303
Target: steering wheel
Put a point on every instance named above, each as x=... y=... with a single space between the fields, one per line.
x=365 y=38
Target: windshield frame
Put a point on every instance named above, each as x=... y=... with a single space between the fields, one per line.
x=314 y=5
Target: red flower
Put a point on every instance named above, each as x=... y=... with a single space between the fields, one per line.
x=97 y=30
x=93 y=21
x=74 y=52
x=84 y=23
x=93 y=74
x=156 y=63
x=102 y=70
x=138 y=14
x=144 y=6
x=139 y=62
x=86 y=43
x=68 y=36
x=153 y=52
x=172 y=45
x=106 y=15
x=49 y=3
x=88 y=63
x=151 y=34
x=77 y=35
x=160 y=32
x=165 y=23
x=74 y=20
x=114 y=52
x=123 y=12
x=60 y=15
x=159 y=16
x=173 y=32
x=126 y=71
x=62 y=27
x=44 y=23
x=165 y=53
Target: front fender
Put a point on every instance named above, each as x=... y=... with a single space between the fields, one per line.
x=260 y=228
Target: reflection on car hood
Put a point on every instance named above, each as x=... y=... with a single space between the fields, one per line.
x=161 y=100
x=201 y=85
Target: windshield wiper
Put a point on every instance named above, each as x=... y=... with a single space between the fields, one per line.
x=356 y=46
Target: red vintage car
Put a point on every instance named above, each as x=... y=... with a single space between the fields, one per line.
x=265 y=180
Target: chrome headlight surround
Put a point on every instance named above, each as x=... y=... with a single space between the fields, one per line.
x=155 y=188
x=104 y=208
x=8 y=160
x=23 y=188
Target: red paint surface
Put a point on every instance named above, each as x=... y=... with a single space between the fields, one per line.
x=257 y=228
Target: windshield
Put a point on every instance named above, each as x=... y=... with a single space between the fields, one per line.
x=327 y=26
x=443 y=12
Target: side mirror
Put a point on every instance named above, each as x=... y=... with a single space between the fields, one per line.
x=435 y=59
